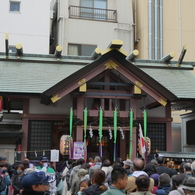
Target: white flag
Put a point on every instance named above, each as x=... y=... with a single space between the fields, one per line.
x=142 y=142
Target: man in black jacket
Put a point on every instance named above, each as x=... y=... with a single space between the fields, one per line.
x=160 y=168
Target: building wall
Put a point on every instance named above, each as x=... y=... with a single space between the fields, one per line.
x=61 y=107
x=30 y=26
x=186 y=147
x=92 y=32
x=178 y=27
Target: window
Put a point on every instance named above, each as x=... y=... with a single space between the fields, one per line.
x=40 y=138
x=95 y=9
x=80 y=50
x=157 y=133
x=14 y=6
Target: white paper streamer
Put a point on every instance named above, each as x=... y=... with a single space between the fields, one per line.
x=25 y=154
x=43 y=152
x=35 y=153
x=122 y=133
x=110 y=132
x=90 y=131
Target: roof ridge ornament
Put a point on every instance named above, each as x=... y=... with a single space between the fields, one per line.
x=168 y=57
x=183 y=52
x=132 y=55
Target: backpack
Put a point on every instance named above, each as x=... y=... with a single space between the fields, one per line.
x=2 y=182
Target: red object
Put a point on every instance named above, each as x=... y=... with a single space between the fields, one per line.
x=1 y=105
x=19 y=148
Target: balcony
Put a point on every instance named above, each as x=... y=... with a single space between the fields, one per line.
x=89 y=13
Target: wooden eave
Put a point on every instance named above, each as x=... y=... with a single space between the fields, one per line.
x=125 y=68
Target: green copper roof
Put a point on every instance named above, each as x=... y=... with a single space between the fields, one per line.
x=33 y=77
x=179 y=82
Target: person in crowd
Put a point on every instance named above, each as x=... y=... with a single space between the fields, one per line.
x=160 y=167
x=76 y=180
x=75 y=170
x=187 y=169
x=67 y=173
x=127 y=165
x=164 y=184
x=16 y=180
x=176 y=188
x=152 y=173
x=35 y=183
x=154 y=161
x=193 y=168
x=172 y=171
x=155 y=177
x=138 y=167
x=108 y=178
x=142 y=182
x=119 y=160
x=97 y=161
x=4 y=177
x=119 y=181
x=83 y=184
x=27 y=168
x=97 y=187
x=181 y=170
x=189 y=185
x=106 y=167
x=44 y=161
x=30 y=164
x=10 y=170
x=150 y=169
x=91 y=163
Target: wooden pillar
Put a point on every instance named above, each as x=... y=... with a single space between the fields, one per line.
x=25 y=126
x=168 y=128
x=133 y=105
x=80 y=109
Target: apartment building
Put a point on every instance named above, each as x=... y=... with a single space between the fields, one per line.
x=26 y=22
x=80 y=26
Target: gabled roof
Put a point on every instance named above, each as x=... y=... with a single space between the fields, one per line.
x=127 y=69
x=46 y=76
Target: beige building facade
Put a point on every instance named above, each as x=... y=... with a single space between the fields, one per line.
x=163 y=27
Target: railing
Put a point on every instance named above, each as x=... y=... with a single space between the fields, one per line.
x=89 y=13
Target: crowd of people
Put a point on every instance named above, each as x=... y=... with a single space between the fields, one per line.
x=96 y=177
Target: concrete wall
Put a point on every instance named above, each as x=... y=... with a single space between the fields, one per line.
x=30 y=26
x=92 y=32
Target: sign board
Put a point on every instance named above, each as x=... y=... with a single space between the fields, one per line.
x=54 y=156
x=78 y=150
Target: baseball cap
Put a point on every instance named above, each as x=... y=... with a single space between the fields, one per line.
x=44 y=159
x=34 y=178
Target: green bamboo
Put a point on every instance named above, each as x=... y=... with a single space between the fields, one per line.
x=71 y=121
x=100 y=124
x=85 y=122
x=115 y=124
x=145 y=123
x=131 y=133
